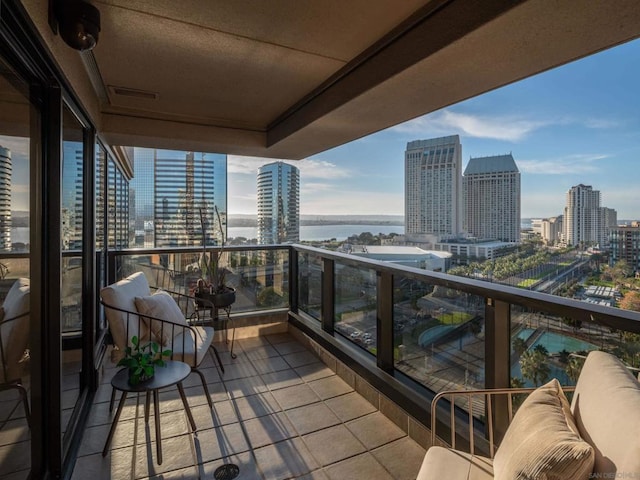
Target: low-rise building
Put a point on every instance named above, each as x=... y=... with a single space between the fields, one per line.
x=404 y=255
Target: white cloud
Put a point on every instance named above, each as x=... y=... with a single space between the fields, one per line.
x=309 y=168
x=569 y=165
x=507 y=128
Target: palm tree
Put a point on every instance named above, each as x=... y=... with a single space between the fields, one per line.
x=534 y=367
x=573 y=368
x=519 y=346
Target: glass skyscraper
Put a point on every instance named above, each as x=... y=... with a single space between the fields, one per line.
x=278 y=204
x=171 y=190
x=5 y=198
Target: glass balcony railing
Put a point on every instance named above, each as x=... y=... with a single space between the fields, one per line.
x=416 y=332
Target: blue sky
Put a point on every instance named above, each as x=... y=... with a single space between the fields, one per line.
x=579 y=123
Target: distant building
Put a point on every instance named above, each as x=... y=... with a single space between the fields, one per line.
x=551 y=231
x=171 y=188
x=5 y=198
x=433 y=188
x=278 y=204
x=468 y=250
x=625 y=245
x=608 y=220
x=72 y=195
x=491 y=193
x=582 y=216
x=404 y=255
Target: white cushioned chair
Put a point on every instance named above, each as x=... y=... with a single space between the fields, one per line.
x=132 y=310
x=594 y=437
x=14 y=339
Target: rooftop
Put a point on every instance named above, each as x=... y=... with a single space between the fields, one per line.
x=493 y=164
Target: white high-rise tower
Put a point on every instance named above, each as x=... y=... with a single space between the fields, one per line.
x=278 y=204
x=582 y=216
x=433 y=187
x=491 y=187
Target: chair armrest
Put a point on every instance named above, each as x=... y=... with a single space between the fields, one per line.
x=488 y=395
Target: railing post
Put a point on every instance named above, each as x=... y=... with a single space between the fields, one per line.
x=327 y=312
x=498 y=358
x=384 y=321
x=293 y=279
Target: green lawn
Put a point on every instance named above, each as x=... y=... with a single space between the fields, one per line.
x=454 y=318
x=527 y=282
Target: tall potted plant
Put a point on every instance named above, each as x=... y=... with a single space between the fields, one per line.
x=211 y=286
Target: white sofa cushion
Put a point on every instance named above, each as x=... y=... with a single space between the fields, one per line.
x=542 y=442
x=161 y=305
x=192 y=349
x=15 y=334
x=122 y=295
x=444 y=463
x=606 y=408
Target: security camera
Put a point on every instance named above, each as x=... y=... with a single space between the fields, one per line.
x=79 y=23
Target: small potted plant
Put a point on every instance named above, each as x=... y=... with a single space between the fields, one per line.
x=142 y=360
x=211 y=286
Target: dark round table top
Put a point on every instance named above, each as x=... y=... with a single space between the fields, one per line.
x=173 y=373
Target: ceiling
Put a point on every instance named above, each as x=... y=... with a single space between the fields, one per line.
x=290 y=78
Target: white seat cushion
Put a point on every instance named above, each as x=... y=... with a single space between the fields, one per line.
x=444 y=463
x=15 y=334
x=606 y=408
x=542 y=442
x=122 y=295
x=161 y=305
x=192 y=350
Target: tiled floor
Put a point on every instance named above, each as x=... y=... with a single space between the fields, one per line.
x=278 y=413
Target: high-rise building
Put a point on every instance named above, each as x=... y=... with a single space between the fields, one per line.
x=278 y=203
x=72 y=201
x=433 y=187
x=608 y=221
x=172 y=188
x=5 y=198
x=491 y=193
x=625 y=245
x=552 y=230
x=582 y=216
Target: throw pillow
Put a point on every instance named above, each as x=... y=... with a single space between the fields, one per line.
x=542 y=442
x=161 y=306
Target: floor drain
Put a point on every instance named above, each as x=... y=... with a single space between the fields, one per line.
x=226 y=472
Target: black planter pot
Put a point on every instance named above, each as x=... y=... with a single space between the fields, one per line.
x=219 y=300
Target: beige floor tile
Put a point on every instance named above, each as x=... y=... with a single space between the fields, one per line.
x=313 y=417
x=177 y=453
x=287 y=348
x=117 y=465
x=125 y=435
x=330 y=387
x=239 y=369
x=402 y=458
x=14 y=457
x=270 y=364
x=219 y=442
x=260 y=352
x=314 y=371
x=269 y=429
x=247 y=344
x=295 y=396
x=333 y=444
x=374 y=430
x=172 y=424
x=362 y=467
x=243 y=387
x=287 y=459
x=317 y=475
x=349 y=406
x=15 y=431
x=281 y=379
x=256 y=405
x=299 y=359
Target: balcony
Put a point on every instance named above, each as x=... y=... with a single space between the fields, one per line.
x=340 y=345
